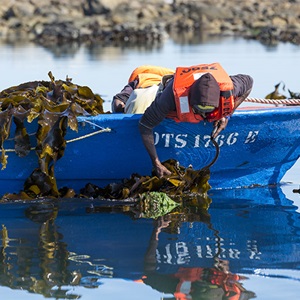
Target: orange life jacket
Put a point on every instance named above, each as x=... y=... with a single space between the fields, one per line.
x=149 y=75
x=185 y=77
x=218 y=278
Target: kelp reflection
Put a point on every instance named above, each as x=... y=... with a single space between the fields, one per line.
x=41 y=261
x=38 y=263
x=154 y=205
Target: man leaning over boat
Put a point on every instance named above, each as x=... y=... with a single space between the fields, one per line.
x=188 y=94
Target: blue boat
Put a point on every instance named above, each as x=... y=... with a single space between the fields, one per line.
x=258 y=147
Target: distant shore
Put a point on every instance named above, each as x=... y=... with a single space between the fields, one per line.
x=137 y=22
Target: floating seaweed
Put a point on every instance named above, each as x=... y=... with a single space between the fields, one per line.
x=152 y=197
x=181 y=181
x=276 y=95
x=294 y=95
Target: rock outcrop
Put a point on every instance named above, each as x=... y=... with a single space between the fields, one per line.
x=51 y=22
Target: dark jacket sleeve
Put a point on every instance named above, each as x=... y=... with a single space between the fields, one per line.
x=126 y=91
x=242 y=84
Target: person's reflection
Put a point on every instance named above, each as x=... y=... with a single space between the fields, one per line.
x=216 y=282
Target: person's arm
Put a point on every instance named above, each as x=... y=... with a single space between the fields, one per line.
x=240 y=100
x=150 y=256
x=148 y=141
x=120 y=99
x=154 y=114
x=242 y=88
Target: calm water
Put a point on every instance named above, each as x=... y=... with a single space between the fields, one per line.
x=248 y=242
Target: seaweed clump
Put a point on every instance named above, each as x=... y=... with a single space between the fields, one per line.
x=277 y=95
x=184 y=192
x=55 y=104
x=182 y=182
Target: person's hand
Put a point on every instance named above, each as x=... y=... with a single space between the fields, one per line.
x=219 y=126
x=118 y=106
x=161 y=170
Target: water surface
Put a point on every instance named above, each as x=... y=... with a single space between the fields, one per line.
x=246 y=243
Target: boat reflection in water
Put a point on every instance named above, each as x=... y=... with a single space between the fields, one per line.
x=192 y=254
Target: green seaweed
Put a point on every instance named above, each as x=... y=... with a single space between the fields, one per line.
x=155 y=204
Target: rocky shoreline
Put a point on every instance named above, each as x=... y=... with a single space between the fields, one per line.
x=56 y=22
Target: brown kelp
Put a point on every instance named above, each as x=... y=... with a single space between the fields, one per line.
x=182 y=181
x=276 y=95
x=184 y=192
x=55 y=104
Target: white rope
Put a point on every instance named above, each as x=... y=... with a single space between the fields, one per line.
x=89 y=135
x=91 y=123
x=73 y=140
x=274 y=101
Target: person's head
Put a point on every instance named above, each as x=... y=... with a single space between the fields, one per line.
x=204 y=95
